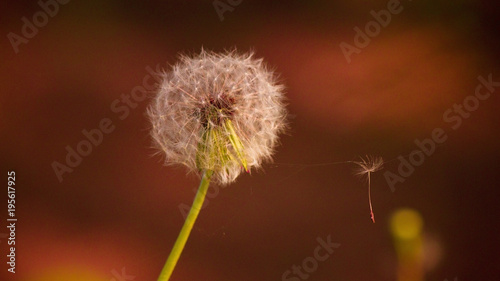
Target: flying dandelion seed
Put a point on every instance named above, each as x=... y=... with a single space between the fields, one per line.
x=368 y=165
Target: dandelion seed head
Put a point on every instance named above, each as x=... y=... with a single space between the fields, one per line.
x=218 y=112
x=369 y=164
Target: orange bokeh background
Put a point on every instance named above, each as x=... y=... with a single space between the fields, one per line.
x=120 y=207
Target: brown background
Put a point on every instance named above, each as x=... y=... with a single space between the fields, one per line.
x=119 y=208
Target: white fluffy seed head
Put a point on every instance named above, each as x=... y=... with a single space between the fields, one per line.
x=221 y=112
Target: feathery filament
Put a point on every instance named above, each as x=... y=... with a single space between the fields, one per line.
x=220 y=112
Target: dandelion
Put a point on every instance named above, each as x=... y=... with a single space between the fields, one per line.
x=368 y=165
x=216 y=114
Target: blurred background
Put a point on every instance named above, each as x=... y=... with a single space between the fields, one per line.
x=116 y=215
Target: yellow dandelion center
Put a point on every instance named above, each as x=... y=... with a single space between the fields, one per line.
x=218 y=135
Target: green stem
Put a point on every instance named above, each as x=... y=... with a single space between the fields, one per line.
x=186 y=228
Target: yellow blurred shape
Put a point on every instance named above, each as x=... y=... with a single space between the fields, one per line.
x=406 y=224
x=70 y=274
x=406 y=227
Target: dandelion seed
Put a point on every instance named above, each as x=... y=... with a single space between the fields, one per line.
x=368 y=165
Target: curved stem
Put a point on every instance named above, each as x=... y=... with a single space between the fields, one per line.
x=169 y=266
